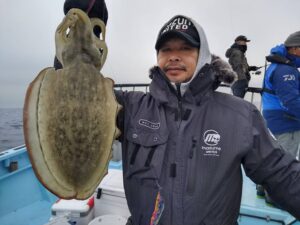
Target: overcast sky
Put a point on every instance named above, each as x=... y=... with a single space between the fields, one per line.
x=28 y=26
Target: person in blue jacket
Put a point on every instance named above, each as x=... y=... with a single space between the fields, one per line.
x=281 y=96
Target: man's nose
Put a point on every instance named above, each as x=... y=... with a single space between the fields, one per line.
x=174 y=57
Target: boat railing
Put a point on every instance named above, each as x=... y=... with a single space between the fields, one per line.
x=144 y=87
x=253 y=94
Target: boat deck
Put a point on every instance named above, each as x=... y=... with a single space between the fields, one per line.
x=37 y=213
x=24 y=201
x=254 y=209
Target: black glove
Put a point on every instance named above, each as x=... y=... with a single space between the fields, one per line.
x=253 y=68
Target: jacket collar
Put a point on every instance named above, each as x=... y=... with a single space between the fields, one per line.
x=205 y=82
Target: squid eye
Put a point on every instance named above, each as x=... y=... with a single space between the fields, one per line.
x=97 y=31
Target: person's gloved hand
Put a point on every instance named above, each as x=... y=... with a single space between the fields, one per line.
x=253 y=68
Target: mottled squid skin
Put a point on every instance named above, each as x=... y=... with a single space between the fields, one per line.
x=70 y=114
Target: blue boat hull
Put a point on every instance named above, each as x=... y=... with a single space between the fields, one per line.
x=24 y=201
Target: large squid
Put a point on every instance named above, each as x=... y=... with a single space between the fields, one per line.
x=70 y=113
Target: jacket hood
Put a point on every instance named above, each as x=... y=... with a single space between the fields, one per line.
x=205 y=55
x=279 y=50
x=279 y=54
x=222 y=70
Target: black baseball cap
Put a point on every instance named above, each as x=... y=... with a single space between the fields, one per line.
x=178 y=26
x=242 y=38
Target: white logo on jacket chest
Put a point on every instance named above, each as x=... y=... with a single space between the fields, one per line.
x=211 y=138
x=289 y=77
x=149 y=124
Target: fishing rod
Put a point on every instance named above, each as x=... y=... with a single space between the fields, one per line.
x=258 y=72
x=264 y=66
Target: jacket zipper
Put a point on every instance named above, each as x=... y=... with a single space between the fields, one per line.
x=192 y=160
x=179 y=97
x=178 y=117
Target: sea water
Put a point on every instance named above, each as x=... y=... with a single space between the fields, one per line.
x=11 y=128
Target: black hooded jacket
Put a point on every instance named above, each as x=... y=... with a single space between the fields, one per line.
x=183 y=150
x=190 y=149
